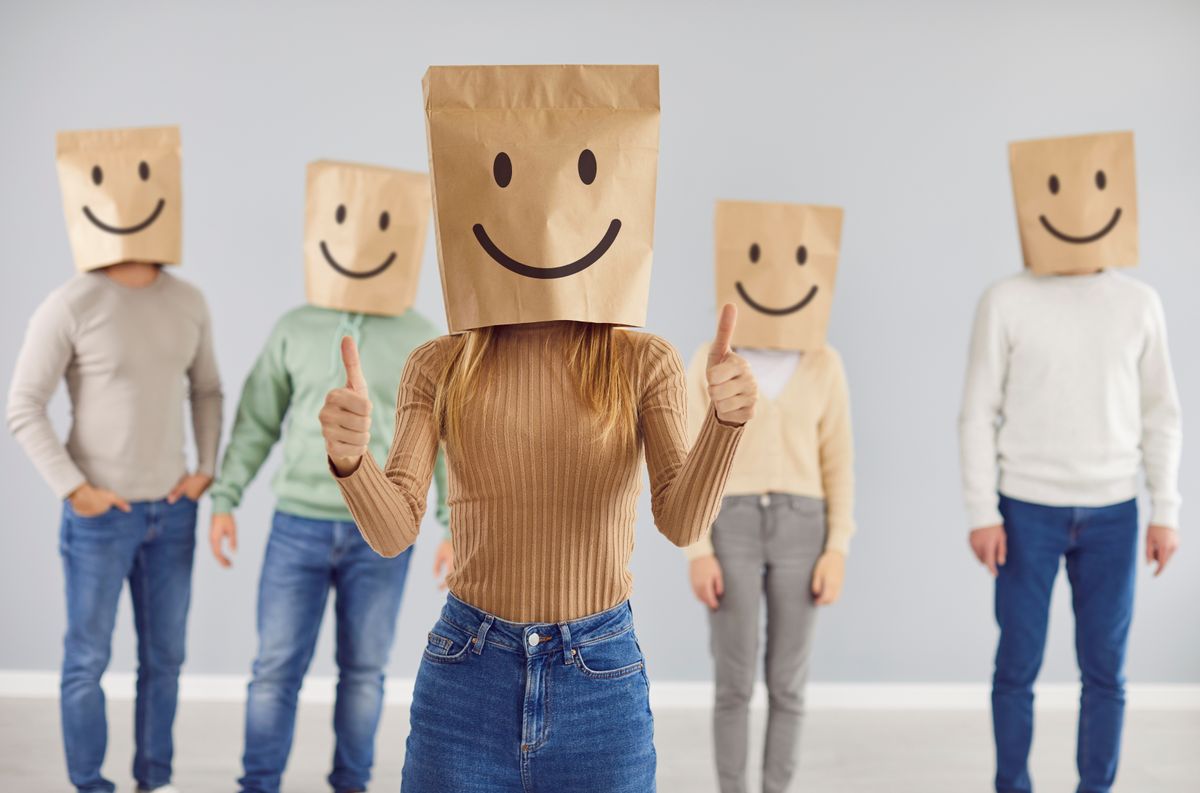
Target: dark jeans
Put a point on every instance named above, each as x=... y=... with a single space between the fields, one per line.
x=504 y=707
x=152 y=548
x=1100 y=548
x=305 y=559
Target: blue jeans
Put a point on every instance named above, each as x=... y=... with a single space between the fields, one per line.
x=1100 y=546
x=152 y=548
x=505 y=707
x=306 y=558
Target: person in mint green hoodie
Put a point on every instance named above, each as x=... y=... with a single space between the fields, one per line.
x=365 y=231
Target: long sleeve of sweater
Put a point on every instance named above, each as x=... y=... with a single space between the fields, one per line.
x=388 y=503
x=837 y=461
x=41 y=365
x=983 y=399
x=698 y=409
x=686 y=485
x=258 y=425
x=1162 y=435
x=206 y=398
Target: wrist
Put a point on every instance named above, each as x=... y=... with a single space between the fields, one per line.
x=345 y=466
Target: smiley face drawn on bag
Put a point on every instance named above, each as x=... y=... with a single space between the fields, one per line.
x=339 y=217
x=1055 y=186
x=543 y=186
x=779 y=260
x=502 y=174
x=143 y=173
x=754 y=254
x=364 y=234
x=1076 y=202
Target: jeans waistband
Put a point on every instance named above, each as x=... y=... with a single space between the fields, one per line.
x=768 y=499
x=536 y=638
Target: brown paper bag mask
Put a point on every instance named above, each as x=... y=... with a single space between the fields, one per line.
x=121 y=195
x=777 y=263
x=543 y=190
x=1076 y=202
x=364 y=233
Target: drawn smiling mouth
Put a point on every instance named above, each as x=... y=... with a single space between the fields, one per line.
x=776 y=312
x=1081 y=240
x=100 y=224
x=562 y=271
x=357 y=274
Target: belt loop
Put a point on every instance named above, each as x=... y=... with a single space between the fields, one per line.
x=568 y=654
x=484 y=627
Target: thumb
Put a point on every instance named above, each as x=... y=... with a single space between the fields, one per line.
x=355 y=380
x=119 y=502
x=724 y=337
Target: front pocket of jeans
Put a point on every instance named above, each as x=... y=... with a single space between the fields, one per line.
x=611 y=659
x=443 y=650
x=93 y=519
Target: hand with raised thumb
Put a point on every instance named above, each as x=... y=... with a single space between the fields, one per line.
x=731 y=385
x=346 y=416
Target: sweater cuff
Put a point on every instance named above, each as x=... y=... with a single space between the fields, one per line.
x=838 y=539
x=67 y=481
x=223 y=505
x=982 y=515
x=701 y=548
x=1165 y=514
x=718 y=439
x=357 y=488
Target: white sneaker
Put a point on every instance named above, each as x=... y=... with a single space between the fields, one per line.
x=162 y=789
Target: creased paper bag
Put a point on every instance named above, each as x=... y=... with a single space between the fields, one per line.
x=121 y=195
x=543 y=191
x=1076 y=202
x=778 y=263
x=364 y=233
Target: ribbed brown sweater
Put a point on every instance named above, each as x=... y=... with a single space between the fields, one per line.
x=542 y=510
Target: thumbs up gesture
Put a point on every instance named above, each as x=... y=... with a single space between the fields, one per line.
x=731 y=386
x=346 y=416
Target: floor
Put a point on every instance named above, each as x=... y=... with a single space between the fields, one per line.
x=844 y=751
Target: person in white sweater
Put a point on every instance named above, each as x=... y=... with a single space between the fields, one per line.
x=1069 y=392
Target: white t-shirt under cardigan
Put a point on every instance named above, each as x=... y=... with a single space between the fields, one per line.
x=1069 y=388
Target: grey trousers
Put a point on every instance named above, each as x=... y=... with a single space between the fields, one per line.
x=766 y=545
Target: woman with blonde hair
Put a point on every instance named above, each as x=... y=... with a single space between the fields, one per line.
x=532 y=677
x=533 y=667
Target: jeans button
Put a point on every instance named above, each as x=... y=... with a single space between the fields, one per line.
x=534 y=639
x=764 y=500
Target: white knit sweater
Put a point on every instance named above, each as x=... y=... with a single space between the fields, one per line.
x=1069 y=389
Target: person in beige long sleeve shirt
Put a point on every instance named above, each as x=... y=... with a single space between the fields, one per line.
x=133 y=343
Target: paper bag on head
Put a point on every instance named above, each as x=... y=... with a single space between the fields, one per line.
x=777 y=263
x=364 y=232
x=543 y=191
x=1076 y=202
x=121 y=195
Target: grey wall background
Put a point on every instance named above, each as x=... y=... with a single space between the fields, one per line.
x=898 y=112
